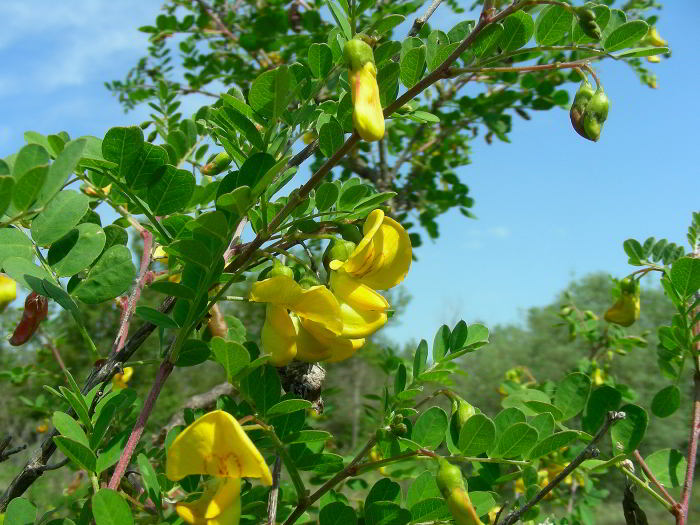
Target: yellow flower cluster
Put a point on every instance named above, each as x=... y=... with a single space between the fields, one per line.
x=215 y=445
x=322 y=324
x=121 y=380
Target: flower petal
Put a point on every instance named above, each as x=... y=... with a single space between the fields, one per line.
x=215 y=444
x=281 y=290
x=393 y=259
x=219 y=497
x=356 y=294
x=279 y=335
x=367 y=115
x=8 y=291
x=317 y=343
x=360 y=323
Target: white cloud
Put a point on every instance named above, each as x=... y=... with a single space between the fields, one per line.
x=75 y=41
x=500 y=232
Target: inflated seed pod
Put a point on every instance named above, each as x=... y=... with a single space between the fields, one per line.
x=451 y=484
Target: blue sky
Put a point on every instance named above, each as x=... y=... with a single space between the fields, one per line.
x=550 y=205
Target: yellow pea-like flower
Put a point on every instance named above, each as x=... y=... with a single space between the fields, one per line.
x=121 y=380
x=8 y=291
x=159 y=254
x=360 y=323
x=279 y=335
x=317 y=343
x=215 y=444
x=367 y=114
x=383 y=257
x=316 y=303
x=358 y=295
x=627 y=308
x=219 y=505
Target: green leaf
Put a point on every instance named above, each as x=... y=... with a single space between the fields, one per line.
x=175 y=289
x=387 y=23
x=28 y=186
x=69 y=427
x=639 y=52
x=625 y=35
x=193 y=352
x=254 y=169
x=171 y=192
x=101 y=426
x=30 y=156
x=231 y=355
x=123 y=146
x=630 y=431
x=400 y=379
x=20 y=511
x=288 y=406
x=320 y=60
x=237 y=201
x=666 y=401
x=149 y=478
x=109 y=508
x=263 y=387
x=64 y=165
x=388 y=80
x=79 y=453
x=477 y=435
x=340 y=19
x=386 y=513
x=156 y=317
x=61 y=215
x=487 y=40
x=553 y=23
x=110 y=453
x=14 y=243
x=76 y=250
x=441 y=343
x=18 y=269
x=552 y=443
x=668 y=466
x=424 y=486
x=337 y=513
x=543 y=423
x=572 y=394
x=6 y=185
x=326 y=196
x=429 y=429
x=420 y=358
x=270 y=92
x=110 y=277
x=601 y=401
x=243 y=123
x=634 y=251
x=685 y=276
x=508 y=417
x=538 y=407
x=518 y=29
x=412 y=66
x=350 y=195
x=330 y=137
x=516 y=440
x=384 y=490
x=307 y=436
x=146 y=168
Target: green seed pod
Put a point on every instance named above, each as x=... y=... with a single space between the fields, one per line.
x=583 y=97
x=592 y=29
x=338 y=249
x=350 y=232
x=585 y=13
x=451 y=484
x=463 y=410
x=308 y=280
x=595 y=114
x=217 y=165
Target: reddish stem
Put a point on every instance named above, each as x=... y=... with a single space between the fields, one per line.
x=164 y=371
x=692 y=452
x=136 y=292
x=650 y=475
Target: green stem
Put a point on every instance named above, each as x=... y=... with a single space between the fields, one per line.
x=86 y=337
x=469 y=459
x=302 y=492
x=537 y=49
x=20 y=216
x=645 y=486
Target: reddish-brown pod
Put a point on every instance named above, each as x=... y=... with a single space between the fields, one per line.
x=36 y=308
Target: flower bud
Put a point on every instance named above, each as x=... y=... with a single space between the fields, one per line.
x=36 y=308
x=217 y=324
x=583 y=97
x=216 y=166
x=279 y=269
x=339 y=249
x=654 y=38
x=8 y=291
x=451 y=484
x=367 y=115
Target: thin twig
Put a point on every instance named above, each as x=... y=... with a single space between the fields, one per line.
x=587 y=453
x=650 y=476
x=419 y=22
x=273 y=496
x=136 y=292
x=4 y=453
x=692 y=449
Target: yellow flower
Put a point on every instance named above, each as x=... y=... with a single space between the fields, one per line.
x=219 y=505
x=626 y=309
x=160 y=255
x=217 y=445
x=362 y=309
x=367 y=115
x=121 y=380
x=655 y=39
x=42 y=428
x=317 y=343
x=316 y=303
x=279 y=335
x=382 y=258
x=8 y=291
